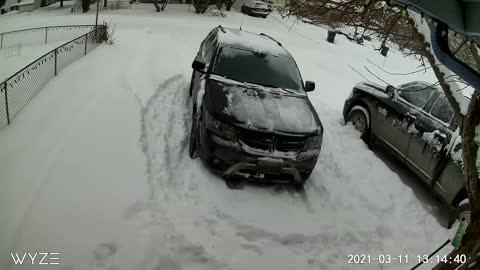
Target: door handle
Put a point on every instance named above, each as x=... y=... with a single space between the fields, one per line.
x=410 y=118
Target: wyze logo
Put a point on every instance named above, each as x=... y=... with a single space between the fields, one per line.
x=40 y=258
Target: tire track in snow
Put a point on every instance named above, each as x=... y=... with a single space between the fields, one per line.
x=195 y=210
x=164 y=139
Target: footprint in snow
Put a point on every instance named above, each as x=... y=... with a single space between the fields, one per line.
x=103 y=257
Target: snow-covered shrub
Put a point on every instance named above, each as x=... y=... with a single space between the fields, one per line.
x=216 y=12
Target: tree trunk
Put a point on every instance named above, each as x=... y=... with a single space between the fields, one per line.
x=476 y=55
x=470 y=150
x=389 y=31
x=157 y=7
x=104 y=3
x=467 y=125
x=229 y=4
x=85 y=5
x=61 y=3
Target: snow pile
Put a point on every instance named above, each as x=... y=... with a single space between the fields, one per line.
x=432 y=141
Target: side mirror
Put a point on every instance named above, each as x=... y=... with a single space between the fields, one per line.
x=391 y=91
x=309 y=86
x=199 y=66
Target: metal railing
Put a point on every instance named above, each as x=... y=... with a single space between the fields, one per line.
x=20 y=88
x=41 y=34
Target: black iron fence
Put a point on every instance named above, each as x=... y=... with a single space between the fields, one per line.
x=19 y=89
x=42 y=34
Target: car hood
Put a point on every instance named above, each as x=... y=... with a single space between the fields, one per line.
x=371 y=88
x=262 y=108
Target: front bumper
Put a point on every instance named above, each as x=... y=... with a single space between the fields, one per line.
x=258 y=12
x=232 y=159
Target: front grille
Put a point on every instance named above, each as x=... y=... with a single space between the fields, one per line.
x=270 y=142
x=256 y=139
x=289 y=143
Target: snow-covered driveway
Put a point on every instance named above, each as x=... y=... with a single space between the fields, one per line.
x=96 y=166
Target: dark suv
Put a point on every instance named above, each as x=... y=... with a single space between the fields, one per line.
x=416 y=124
x=251 y=115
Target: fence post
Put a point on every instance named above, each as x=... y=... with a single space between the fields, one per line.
x=6 y=103
x=46 y=35
x=1 y=40
x=86 y=41
x=55 y=62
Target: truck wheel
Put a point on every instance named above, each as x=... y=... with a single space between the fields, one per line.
x=459 y=213
x=192 y=147
x=360 y=119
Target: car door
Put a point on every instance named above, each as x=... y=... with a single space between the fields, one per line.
x=393 y=120
x=426 y=152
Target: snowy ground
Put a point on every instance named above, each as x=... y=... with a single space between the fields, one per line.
x=96 y=166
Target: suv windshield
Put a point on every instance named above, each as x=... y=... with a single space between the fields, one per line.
x=258 y=68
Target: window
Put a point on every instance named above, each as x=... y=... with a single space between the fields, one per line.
x=431 y=101
x=442 y=110
x=260 y=5
x=258 y=68
x=207 y=45
x=417 y=94
x=210 y=51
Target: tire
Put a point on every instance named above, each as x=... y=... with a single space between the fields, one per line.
x=242 y=9
x=459 y=213
x=192 y=147
x=300 y=187
x=360 y=118
x=190 y=90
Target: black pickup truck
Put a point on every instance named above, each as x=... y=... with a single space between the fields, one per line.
x=416 y=123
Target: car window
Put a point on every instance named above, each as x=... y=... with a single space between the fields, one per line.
x=442 y=110
x=260 y=5
x=258 y=68
x=208 y=42
x=210 y=51
x=431 y=101
x=417 y=95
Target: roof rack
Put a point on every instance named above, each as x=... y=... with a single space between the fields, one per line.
x=263 y=34
x=221 y=28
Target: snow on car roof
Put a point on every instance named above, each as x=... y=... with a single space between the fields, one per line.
x=251 y=41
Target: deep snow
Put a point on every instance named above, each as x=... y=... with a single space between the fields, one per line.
x=96 y=166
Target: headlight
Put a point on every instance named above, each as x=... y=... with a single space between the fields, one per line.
x=219 y=128
x=313 y=142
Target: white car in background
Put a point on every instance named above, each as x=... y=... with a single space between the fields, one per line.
x=255 y=8
x=269 y=4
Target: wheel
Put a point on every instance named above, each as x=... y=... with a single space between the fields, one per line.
x=190 y=90
x=300 y=187
x=192 y=147
x=459 y=213
x=360 y=119
x=242 y=9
